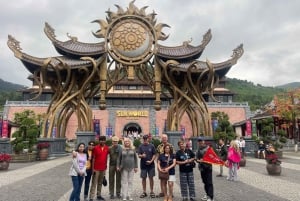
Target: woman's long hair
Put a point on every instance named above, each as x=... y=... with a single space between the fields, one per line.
x=130 y=143
x=77 y=150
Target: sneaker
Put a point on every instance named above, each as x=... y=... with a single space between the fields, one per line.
x=124 y=199
x=204 y=197
x=112 y=197
x=210 y=199
x=100 y=198
x=192 y=199
x=130 y=198
x=219 y=175
x=119 y=195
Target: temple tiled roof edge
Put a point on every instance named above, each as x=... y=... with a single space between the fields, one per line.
x=185 y=51
x=33 y=63
x=221 y=68
x=73 y=47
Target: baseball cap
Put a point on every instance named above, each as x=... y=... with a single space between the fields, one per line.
x=200 y=139
x=115 y=138
x=145 y=137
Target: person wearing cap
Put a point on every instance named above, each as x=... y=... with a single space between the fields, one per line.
x=146 y=152
x=160 y=150
x=114 y=176
x=205 y=170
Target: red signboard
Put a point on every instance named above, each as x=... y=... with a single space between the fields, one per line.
x=248 y=128
x=5 y=129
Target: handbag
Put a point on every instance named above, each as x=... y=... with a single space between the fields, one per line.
x=164 y=175
x=104 y=181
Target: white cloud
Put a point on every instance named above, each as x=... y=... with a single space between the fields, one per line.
x=268 y=29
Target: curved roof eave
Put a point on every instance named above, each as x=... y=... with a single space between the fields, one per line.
x=184 y=51
x=221 y=68
x=73 y=47
x=35 y=63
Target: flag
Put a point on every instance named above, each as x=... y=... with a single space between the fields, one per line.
x=211 y=157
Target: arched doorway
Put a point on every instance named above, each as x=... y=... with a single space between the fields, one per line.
x=132 y=130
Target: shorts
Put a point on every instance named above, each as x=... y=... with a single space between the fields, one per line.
x=150 y=172
x=172 y=178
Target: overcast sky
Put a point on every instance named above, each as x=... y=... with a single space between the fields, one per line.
x=269 y=30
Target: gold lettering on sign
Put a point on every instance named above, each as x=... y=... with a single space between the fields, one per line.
x=132 y=113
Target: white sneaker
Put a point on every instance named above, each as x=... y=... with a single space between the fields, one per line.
x=124 y=199
x=209 y=199
x=204 y=197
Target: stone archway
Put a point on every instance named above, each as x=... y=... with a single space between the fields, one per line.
x=133 y=129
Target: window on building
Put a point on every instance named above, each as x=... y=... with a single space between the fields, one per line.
x=118 y=87
x=132 y=87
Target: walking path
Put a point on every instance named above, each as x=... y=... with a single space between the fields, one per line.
x=49 y=180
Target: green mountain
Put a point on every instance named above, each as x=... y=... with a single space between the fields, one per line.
x=256 y=95
x=289 y=86
x=245 y=91
x=9 y=91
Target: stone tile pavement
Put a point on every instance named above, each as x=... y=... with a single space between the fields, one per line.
x=49 y=180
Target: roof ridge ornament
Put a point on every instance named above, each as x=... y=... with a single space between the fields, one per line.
x=73 y=38
x=49 y=31
x=14 y=45
x=237 y=52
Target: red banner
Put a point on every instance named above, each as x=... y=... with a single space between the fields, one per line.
x=5 y=129
x=211 y=157
x=248 y=128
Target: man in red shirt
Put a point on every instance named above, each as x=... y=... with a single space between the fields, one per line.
x=100 y=155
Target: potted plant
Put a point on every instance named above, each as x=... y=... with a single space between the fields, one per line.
x=4 y=161
x=273 y=163
x=26 y=135
x=43 y=150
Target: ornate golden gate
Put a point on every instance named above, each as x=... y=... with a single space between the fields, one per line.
x=130 y=49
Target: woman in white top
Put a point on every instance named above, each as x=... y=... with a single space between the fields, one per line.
x=78 y=171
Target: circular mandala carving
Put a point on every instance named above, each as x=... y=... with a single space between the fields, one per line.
x=130 y=41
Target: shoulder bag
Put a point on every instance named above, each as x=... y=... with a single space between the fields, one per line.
x=164 y=175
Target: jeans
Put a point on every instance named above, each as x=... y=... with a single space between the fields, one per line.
x=87 y=182
x=77 y=184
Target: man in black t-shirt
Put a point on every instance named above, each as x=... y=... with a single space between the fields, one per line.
x=185 y=159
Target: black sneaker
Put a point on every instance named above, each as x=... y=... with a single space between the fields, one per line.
x=112 y=197
x=119 y=196
x=100 y=198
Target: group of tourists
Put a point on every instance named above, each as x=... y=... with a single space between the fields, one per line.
x=89 y=165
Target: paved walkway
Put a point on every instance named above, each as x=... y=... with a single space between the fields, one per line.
x=49 y=180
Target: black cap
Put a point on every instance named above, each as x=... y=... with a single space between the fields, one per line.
x=145 y=137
